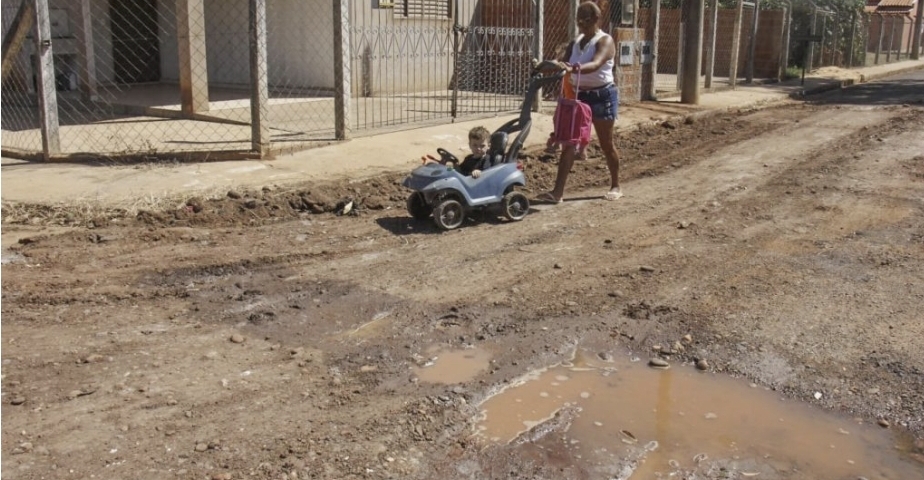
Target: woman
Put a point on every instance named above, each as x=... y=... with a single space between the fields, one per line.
x=591 y=55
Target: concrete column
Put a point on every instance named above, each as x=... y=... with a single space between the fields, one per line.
x=194 y=74
x=692 y=52
x=47 y=95
x=736 y=46
x=655 y=39
x=710 y=57
x=87 y=58
x=342 y=76
x=259 y=89
x=752 y=44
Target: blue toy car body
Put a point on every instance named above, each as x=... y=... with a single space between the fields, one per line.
x=441 y=191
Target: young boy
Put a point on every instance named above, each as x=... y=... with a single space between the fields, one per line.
x=478 y=160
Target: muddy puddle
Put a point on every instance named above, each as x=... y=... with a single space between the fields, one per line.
x=452 y=366
x=624 y=419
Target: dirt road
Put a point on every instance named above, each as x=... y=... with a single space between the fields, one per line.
x=261 y=335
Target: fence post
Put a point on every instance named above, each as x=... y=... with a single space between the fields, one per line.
x=821 y=44
x=540 y=37
x=853 y=36
x=891 y=38
x=752 y=47
x=784 y=55
x=916 y=42
x=18 y=30
x=48 y=96
x=881 y=25
x=194 y=74
x=692 y=51
x=655 y=38
x=710 y=57
x=681 y=41
x=572 y=19
x=836 y=40
x=86 y=70
x=910 y=36
x=811 y=45
x=736 y=45
x=259 y=90
x=343 y=89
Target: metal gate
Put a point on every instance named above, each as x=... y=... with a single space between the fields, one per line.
x=419 y=60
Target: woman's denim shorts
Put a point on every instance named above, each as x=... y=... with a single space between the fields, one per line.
x=603 y=101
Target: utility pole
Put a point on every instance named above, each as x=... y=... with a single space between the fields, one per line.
x=692 y=51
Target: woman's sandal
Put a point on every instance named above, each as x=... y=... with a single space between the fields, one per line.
x=614 y=194
x=547 y=197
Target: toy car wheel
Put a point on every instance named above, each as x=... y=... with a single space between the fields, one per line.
x=417 y=206
x=515 y=206
x=449 y=214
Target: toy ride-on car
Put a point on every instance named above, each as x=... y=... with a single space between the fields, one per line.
x=449 y=196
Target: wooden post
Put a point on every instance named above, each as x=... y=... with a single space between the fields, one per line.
x=343 y=89
x=710 y=49
x=692 y=52
x=47 y=95
x=87 y=58
x=736 y=45
x=194 y=73
x=259 y=89
x=19 y=28
x=916 y=42
x=752 y=45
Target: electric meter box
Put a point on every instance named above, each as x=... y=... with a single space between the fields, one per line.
x=625 y=53
x=647 y=52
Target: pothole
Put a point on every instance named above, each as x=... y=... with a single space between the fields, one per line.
x=628 y=420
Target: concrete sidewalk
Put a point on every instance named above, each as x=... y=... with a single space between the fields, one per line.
x=30 y=182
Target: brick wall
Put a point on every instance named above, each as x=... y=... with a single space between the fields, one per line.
x=767 y=51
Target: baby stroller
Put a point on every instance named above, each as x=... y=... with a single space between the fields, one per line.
x=441 y=191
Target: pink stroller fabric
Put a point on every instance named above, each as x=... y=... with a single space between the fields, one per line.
x=572 y=120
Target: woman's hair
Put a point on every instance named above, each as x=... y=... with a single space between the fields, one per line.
x=589 y=8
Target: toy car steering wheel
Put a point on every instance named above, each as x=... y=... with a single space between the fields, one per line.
x=446 y=157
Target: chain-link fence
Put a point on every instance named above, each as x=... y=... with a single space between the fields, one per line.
x=219 y=79
x=229 y=78
x=880 y=32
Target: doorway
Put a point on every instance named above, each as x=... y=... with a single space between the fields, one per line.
x=135 y=42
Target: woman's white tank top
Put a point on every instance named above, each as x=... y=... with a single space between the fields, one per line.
x=604 y=75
